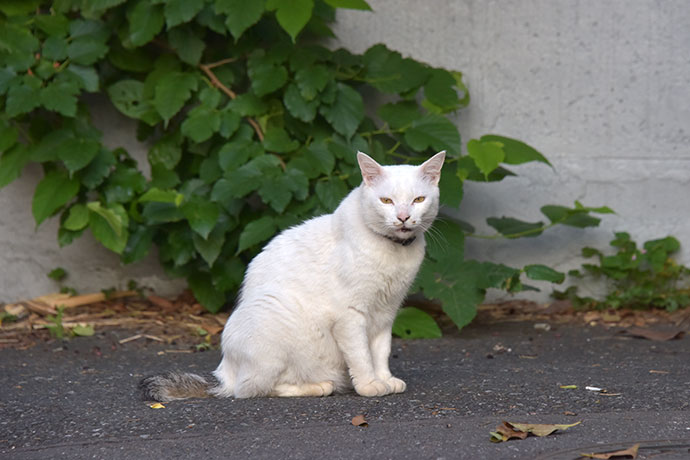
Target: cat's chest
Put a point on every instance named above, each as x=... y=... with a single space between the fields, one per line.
x=385 y=276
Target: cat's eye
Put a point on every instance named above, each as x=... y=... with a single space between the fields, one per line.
x=419 y=199
x=385 y=200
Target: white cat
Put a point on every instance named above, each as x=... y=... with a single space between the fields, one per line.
x=317 y=305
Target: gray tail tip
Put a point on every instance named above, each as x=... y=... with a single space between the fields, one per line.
x=173 y=385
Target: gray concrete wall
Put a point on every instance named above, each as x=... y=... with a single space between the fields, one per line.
x=601 y=88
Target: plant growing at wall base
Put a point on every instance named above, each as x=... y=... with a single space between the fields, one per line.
x=251 y=128
x=646 y=277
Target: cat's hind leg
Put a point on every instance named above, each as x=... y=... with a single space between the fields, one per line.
x=304 y=389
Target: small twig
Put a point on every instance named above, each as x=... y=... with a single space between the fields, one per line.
x=219 y=63
x=230 y=93
x=130 y=339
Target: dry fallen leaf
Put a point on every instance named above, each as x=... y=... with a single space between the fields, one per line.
x=661 y=335
x=358 y=420
x=630 y=452
x=156 y=406
x=508 y=430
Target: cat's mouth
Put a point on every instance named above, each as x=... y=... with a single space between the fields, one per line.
x=404 y=230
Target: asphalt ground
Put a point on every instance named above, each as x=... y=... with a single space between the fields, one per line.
x=79 y=399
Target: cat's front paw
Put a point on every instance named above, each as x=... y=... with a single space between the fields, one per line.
x=373 y=388
x=396 y=385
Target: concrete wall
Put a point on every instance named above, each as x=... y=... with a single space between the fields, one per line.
x=601 y=88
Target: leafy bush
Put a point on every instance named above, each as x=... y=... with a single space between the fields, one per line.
x=252 y=128
x=636 y=278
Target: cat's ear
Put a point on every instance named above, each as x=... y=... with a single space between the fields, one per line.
x=431 y=168
x=371 y=170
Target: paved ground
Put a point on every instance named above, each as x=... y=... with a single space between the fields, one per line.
x=79 y=399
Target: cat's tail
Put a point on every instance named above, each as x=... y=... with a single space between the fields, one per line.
x=174 y=385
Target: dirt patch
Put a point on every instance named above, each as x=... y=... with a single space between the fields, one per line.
x=186 y=324
x=182 y=320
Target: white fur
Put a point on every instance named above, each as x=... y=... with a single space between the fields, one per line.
x=317 y=304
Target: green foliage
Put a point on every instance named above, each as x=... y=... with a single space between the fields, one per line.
x=57 y=274
x=413 y=323
x=56 y=328
x=637 y=278
x=252 y=128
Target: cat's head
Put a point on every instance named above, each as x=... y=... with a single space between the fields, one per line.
x=400 y=201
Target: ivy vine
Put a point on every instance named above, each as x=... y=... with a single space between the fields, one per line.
x=252 y=126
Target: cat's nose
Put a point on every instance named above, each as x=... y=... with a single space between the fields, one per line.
x=403 y=217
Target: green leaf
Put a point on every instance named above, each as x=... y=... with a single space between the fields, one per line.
x=516 y=152
x=188 y=45
x=52 y=24
x=347 y=112
x=319 y=155
x=211 y=298
x=399 y=114
x=248 y=105
x=276 y=192
x=77 y=152
x=228 y=273
x=331 y=193
x=450 y=185
x=445 y=241
x=78 y=218
x=172 y=91
x=95 y=173
x=298 y=106
x=514 y=228
x=486 y=155
x=201 y=123
x=434 y=131
x=265 y=76
x=162 y=196
x=138 y=244
x=86 y=50
x=311 y=80
x=128 y=97
x=292 y=15
x=229 y=123
x=277 y=140
x=21 y=99
x=351 y=4
x=241 y=14
x=571 y=217
x=202 y=215
x=83 y=331
x=389 y=72
x=455 y=285
x=256 y=232
x=544 y=273
x=97 y=7
x=109 y=225
x=123 y=184
x=158 y=213
x=413 y=323
x=57 y=274
x=440 y=90
x=54 y=191
x=54 y=48
x=145 y=21
x=180 y=11
x=12 y=163
x=86 y=77
x=8 y=135
x=17 y=46
x=210 y=247
x=166 y=151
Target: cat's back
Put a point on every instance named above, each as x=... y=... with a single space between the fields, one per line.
x=304 y=247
